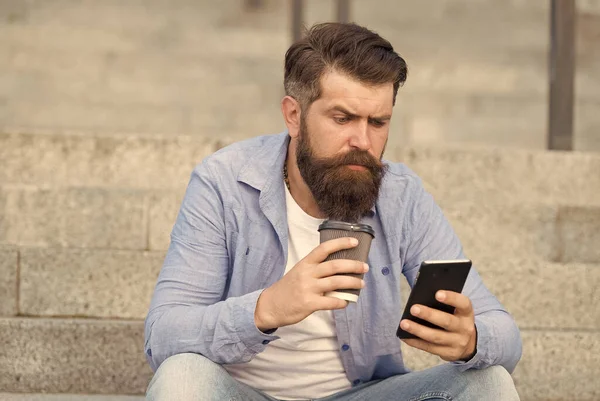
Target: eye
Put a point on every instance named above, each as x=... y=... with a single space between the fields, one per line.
x=341 y=120
x=378 y=123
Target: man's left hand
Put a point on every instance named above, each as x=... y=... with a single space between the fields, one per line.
x=459 y=339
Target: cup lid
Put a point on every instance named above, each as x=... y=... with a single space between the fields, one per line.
x=342 y=225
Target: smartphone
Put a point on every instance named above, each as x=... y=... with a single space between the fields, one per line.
x=434 y=275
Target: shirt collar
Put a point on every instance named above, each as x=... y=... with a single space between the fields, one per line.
x=265 y=168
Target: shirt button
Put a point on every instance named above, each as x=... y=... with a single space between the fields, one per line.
x=265 y=342
x=385 y=271
x=356 y=382
x=345 y=347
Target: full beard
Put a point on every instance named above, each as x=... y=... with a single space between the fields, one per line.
x=340 y=192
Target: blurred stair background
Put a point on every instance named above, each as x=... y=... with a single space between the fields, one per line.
x=477 y=68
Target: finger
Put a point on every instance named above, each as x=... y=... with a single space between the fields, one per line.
x=321 y=252
x=442 y=351
x=461 y=302
x=337 y=266
x=435 y=336
x=330 y=303
x=334 y=283
x=423 y=345
x=437 y=317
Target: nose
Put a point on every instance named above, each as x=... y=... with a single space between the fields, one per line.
x=359 y=138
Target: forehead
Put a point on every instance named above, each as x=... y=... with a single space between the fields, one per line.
x=341 y=90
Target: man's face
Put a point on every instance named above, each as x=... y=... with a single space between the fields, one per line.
x=340 y=144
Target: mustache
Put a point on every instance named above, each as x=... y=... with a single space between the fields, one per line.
x=355 y=157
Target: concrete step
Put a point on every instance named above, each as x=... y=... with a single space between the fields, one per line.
x=67 y=397
x=158 y=70
x=128 y=27
x=116 y=219
x=145 y=93
x=95 y=218
x=9 y=268
x=130 y=162
x=87 y=283
x=142 y=162
x=495 y=29
x=517 y=35
x=119 y=284
x=490 y=230
x=504 y=176
x=153 y=113
x=124 y=193
x=105 y=357
x=88 y=218
x=148 y=77
x=466 y=26
x=72 y=356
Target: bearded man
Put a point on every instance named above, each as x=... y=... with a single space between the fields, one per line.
x=239 y=311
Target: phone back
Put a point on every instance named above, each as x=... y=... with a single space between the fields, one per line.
x=434 y=276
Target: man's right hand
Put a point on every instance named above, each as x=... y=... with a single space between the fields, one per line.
x=299 y=293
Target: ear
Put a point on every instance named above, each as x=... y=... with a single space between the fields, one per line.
x=290 y=108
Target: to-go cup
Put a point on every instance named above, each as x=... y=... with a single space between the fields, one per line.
x=364 y=233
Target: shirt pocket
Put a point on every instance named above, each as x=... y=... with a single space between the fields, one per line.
x=250 y=264
x=381 y=306
x=250 y=250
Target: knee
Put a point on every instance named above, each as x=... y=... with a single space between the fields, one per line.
x=497 y=383
x=185 y=377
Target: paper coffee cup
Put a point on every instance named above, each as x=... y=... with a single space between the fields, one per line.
x=364 y=233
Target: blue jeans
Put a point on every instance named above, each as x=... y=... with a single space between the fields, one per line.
x=192 y=377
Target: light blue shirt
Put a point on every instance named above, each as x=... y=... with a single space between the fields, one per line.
x=230 y=242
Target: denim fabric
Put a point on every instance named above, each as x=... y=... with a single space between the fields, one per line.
x=229 y=242
x=192 y=377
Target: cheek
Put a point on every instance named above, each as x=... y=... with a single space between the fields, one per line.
x=329 y=140
x=378 y=142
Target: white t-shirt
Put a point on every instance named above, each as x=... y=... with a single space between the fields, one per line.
x=304 y=363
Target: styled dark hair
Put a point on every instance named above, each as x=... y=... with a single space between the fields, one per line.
x=346 y=48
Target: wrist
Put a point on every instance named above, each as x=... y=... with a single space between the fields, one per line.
x=262 y=317
x=472 y=348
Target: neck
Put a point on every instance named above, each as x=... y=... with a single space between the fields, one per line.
x=298 y=188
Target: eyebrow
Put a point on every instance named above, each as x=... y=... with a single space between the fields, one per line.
x=352 y=115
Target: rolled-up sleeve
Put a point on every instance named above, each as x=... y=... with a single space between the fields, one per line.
x=188 y=312
x=430 y=237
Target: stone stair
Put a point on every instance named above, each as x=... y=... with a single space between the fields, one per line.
x=85 y=214
x=478 y=69
x=67 y=397
x=85 y=222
